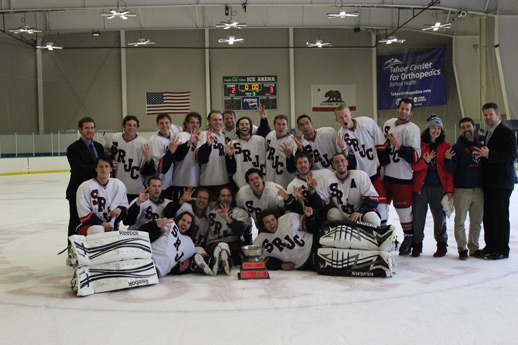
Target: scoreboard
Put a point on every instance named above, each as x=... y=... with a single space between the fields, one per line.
x=246 y=92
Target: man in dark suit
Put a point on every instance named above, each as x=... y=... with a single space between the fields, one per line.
x=81 y=156
x=499 y=154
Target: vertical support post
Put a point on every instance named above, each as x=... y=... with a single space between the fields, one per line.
x=124 y=86
x=292 y=79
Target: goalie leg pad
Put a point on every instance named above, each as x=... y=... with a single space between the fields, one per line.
x=353 y=263
x=110 y=247
x=113 y=276
x=350 y=235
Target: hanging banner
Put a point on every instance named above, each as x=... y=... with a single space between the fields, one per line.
x=420 y=76
x=328 y=97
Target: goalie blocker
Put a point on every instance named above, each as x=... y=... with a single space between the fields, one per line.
x=113 y=276
x=355 y=250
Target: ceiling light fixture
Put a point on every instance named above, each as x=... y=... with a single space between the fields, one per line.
x=231 y=40
x=141 y=42
x=24 y=28
x=230 y=24
x=49 y=46
x=119 y=12
x=342 y=13
x=392 y=39
x=318 y=44
x=436 y=26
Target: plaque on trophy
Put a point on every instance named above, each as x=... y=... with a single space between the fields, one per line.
x=253 y=266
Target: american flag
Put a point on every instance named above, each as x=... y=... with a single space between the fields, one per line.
x=168 y=102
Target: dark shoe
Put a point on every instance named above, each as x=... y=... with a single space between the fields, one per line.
x=479 y=254
x=406 y=246
x=497 y=256
x=417 y=249
x=441 y=250
x=463 y=255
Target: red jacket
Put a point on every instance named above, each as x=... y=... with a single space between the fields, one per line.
x=421 y=168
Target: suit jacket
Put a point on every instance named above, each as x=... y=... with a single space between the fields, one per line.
x=498 y=168
x=82 y=165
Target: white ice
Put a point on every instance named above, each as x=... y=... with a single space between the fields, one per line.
x=428 y=301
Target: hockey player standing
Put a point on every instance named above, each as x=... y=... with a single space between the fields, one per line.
x=320 y=143
x=186 y=170
x=404 y=148
x=210 y=154
x=162 y=148
x=246 y=152
x=131 y=155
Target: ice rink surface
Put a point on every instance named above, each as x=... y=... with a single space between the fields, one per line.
x=428 y=301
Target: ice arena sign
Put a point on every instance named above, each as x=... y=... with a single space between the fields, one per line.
x=412 y=75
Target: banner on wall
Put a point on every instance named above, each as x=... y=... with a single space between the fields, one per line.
x=420 y=76
x=328 y=97
x=173 y=103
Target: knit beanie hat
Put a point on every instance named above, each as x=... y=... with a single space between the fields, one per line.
x=434 y=120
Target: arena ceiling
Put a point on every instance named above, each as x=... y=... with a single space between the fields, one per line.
x=72 y=16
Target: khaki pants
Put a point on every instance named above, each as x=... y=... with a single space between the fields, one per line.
x=468 y=200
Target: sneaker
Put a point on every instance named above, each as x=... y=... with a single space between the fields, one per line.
x=463 y=255
x=201 y=265
x=417 y=249
x=441 y=250
x=406 y=246
x=224 y=262
x=215 y=260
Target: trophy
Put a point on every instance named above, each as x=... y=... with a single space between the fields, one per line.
x=253 y=266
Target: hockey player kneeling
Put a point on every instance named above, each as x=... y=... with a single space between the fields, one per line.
x=287 y=240
x=355 y=249
x=111 y=261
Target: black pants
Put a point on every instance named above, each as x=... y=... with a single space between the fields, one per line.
x=74 y=218
x=496 y=220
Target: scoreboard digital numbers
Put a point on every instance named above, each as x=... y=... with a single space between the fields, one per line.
x=246 y=92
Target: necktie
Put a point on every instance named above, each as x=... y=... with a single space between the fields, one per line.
x=487 y=137
x=92 y=151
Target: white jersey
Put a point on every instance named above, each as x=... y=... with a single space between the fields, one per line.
x=214 y=172
x=298 y=182
x=276 y=166
x=408 y=135
x=232 y=134
x=149 y=212
x=248 y=154
x=219 y=231
x=363 y=141
x=322 y=147
x=289 y=243
x=247 y=200
x=200 y=230
x=187 y=171
x=170 y=249
x=130 y=159
x=93 y=198
x=158 y=145
x=347 y=195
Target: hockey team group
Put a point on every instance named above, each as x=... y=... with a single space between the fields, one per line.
x=190 y=197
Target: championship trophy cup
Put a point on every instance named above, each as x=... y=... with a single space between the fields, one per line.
x=253 y=266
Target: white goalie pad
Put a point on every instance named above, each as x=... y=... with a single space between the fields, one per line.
x=113 y=276
x=353 y=263
x=349 y=235
x=109 y=246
